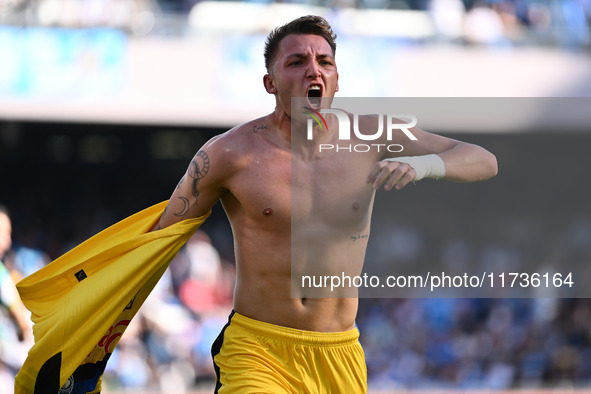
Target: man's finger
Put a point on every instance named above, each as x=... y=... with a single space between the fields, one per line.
x=404 y=180
x=375 y=170
x=397 y=175
x=381 y=178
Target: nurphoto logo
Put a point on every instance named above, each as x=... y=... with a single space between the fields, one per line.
x=388 y=123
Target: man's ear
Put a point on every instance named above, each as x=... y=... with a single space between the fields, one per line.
x=337 y=83
x=269 y=84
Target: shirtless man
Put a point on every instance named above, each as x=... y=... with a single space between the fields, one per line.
x=281 y=195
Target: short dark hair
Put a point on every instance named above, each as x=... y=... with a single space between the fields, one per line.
x=309 y=24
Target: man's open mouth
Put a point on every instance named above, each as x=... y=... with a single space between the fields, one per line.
x=315 y=95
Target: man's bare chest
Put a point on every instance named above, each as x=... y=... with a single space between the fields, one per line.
x=332 y=191
x=291 y=191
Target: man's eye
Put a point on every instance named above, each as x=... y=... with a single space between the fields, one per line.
x=295 y=63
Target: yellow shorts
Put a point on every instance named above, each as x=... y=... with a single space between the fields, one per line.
x=250 y=356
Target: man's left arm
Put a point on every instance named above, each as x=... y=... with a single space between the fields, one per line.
x=433 y=156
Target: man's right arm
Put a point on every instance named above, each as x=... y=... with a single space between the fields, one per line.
x=200 y=187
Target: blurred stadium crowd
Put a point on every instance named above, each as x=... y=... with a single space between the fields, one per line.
x=562 y=23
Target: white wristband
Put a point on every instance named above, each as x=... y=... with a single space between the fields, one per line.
x=428 y=166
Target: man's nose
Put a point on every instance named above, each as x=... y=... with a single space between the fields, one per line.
x=313 y=70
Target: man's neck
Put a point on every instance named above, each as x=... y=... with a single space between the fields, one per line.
x=292 y=133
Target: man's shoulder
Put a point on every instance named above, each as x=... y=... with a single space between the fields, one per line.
x=246 y=131
x=239 y=141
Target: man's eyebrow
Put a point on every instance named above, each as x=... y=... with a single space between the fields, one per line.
x=304 y=56
x=297 y=55
x=325 y=55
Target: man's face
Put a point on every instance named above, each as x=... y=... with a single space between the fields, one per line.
x=304 y=66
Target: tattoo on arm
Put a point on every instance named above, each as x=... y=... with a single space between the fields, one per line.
x=198 y=169
x=185 y=208
x=161 y=217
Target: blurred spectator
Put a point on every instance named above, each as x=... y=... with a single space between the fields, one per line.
x=15 y=327
x=483 y=25
x=574 y=23
x=203 y=287
x=447 y=18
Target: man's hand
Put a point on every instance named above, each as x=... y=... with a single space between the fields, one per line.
x=398 y=172
x=391 y=174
